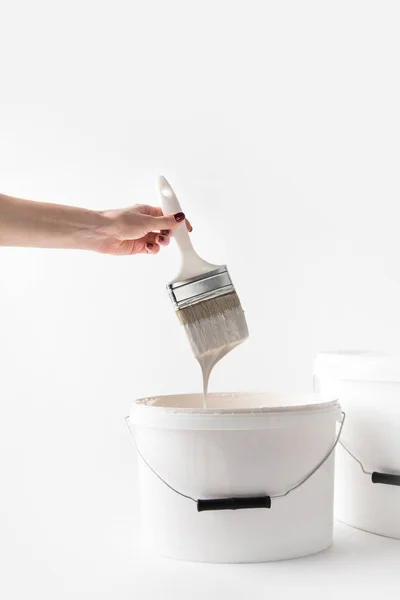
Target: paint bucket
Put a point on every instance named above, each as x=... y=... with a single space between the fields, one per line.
x=368 y=467
x=248 y=479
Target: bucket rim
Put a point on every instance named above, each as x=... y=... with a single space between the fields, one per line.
x=144 y=411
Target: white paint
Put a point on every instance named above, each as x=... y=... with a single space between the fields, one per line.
x=207 y=362
x=213 y=338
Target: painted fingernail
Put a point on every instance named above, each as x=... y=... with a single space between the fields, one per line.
x=179 y=217
x=161 y=238
x=149 y=245
x=165 y=231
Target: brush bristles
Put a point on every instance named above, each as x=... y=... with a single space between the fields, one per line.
x=208 y=308
x=215 y=326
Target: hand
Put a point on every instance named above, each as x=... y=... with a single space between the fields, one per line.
x=141 y=229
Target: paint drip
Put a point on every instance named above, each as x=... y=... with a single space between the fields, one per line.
x=214 y=337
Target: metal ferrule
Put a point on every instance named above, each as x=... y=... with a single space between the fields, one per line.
x=202 y=287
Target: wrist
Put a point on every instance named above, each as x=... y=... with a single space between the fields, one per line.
x=95 y=232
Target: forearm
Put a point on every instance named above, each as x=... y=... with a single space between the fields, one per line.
x=41 y=225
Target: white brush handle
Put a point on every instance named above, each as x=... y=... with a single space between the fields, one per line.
x=192 y=265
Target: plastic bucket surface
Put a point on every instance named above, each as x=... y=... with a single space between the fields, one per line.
x=243 y=450
x=368 y=462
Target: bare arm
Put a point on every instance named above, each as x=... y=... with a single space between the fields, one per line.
x=42 y=225
x=140 y=229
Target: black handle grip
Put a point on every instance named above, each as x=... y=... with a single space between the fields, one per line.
x=385 y=478
x=234 y=503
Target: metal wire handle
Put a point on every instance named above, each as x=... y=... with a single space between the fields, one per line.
x=355 y=458
x=230 y=502
x=376 y=476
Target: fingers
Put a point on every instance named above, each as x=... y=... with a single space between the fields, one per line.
x=163 y=238
x=188 y=227
x=152 y=242
x=151 y=248
x=157 y=220
x=168 y=232
x=152 y=219
x=165 y=222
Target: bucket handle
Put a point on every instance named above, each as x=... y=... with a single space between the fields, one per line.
x=242 y=502
x=376 y=476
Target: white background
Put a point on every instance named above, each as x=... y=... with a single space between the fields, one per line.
x=278 y=124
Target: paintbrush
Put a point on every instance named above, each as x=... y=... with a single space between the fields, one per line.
x=203 y=296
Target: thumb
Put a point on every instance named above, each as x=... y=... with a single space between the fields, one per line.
x=166 y=222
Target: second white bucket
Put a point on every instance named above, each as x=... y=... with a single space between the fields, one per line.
x=249 y=479
x=368 y=470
